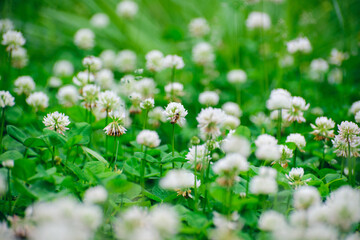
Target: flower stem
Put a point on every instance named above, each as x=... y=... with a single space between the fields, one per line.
x=172 y=81
x=294 y=159
x=350 y=164
x=9 y=189
x=173 y=144
x=142 y=170
x=2 y=128
x=238 y=95
x=342 y=166
x=195 y=187
x=106 y=136
x=53 y=156
x=145 y=118
x=247 y=182
x=114 y=151
x=206 y=180
x=279 y=124
x=323 y=156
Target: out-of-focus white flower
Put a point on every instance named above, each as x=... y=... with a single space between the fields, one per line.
x=210 y=122
x=357 y=117
x=319 y=65
x=156 y=116
x=337 y=57
x=84 y=38
x=236 y=76
x=265 y=182
x=209 y=98
x=165 y=220
x=260 y=119
x=19 y=57
x=286 y=61
x=6 y=25
x=54 y=82
x=265 y=139
x=323 y=128
x=305 y=197
x=299 y=45
x=105 y=79
x=295 y=177
x=56 y=121
x=286 y=153
x=231 y=122
x=146 y=87
x=92 y=63
x=96 y=194
x=63 y=68
x=90 y=95
x=147 y=103
x=258 y=20
x=135 y=99
x=108 y=58
x=108 y=101
x=8 y=163
x=38 y=100
x=154 y=60
x=5 y=232
x=178 y=179
x=176 y=89
x=148 y=138
x=24 y=85
x=231 y=108
x=199 y=152
x=125 y=61
x=68 y=95
x=198 y=27
x=335 y=76
x=6 y=99
x=296 y=111
x=271 y=220
x=176 y=113
x=173 y=61
x=236 y=144
x=100 y=20
x=83 y=78
x=231 y=164
x=279 y=99
x=203 y=54
x=298 y=139
x=268 y=152
x=12 y=40
x=355 y=107
x=116 y=128
x=127 y=9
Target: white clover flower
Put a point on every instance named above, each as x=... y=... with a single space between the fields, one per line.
x=267 y=172
x=319 y=65
x=357 y=117
x=176 y=89
x=200 y=153
x=210 y=122
x=108 y=57
x=271 y=221
x=135 y=99
x=63 y=68
x=38 y=100
x=232 y=163
x=286 y=153
x=258 y=20
x=100 y=20
x=226 y=227
x=305 y=197
x=323 y=128
x=296 y=111
x=198 y=27
x=165 y=220
x=263 y=185
x=154 y=60
x=156 y=116
x=83 y=78
x=5 y=232
x=105 y=79
x=54 y=82
x=116 y=128
x=148 y=138
x=268 y=152
x=6 y=25
x=90 y=95
x=231 y=108
x=349 y=131
x=97 y=194
x=337 y=57
x=176 y=113
x=68 y=95
x=322 y=232
x=354 y=236
x=236 y=76
x=12 y=40
x=231 y=122
x=295 y=177
x=274 y=116
x=125 y=61
x=56 y=121
x=24 y=85
x=6 y=99
x=344 y=208
x=286 y=61
x=8 y=163
x=173 y=61
x=146 y=87
x=265 y=139
x=341 y=146
x=298 y=139
x=127 y=9
x=209 y=98
x=84 y=38
x=299 y=45
x=355 y=107
x=19 y=57
x=203 y=54
x=92 y=63
x=236 y=144
x=335 y=76
x=260 y=119
x=147 y=104
x=178 y=179
x=108 y=101
x=298 y=218
x=279 y=99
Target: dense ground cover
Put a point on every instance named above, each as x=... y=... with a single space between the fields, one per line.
x=207 y=119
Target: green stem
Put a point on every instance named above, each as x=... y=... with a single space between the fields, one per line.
x=350 y=164
x=53 y=156
x=106 y=136
x=173 y=144
x=294 y=159
x=238 y=95
x=342 y=167
x=323 y=156
x=2 y=128
x=206 y=180
x=114 y=151
x=142 y=170
x=279 y=124
x=229 y=191
x=145 y=118
x=172 y=83
x=247 y=182
x=195 y=187
x=9 y=190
